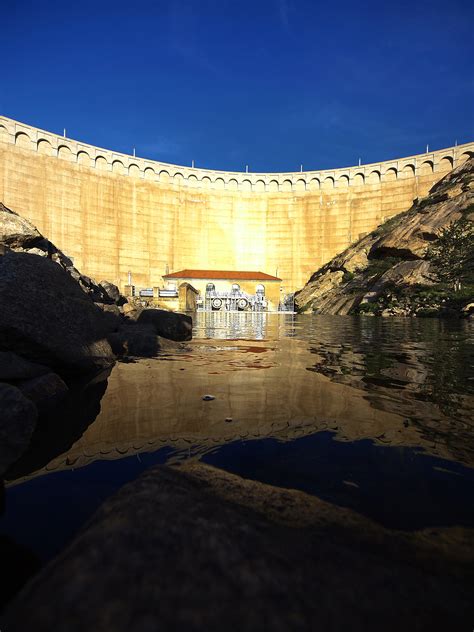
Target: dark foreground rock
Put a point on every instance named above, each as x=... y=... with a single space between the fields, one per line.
x=18 y=417
x=148 y=332
x=14 y=367
x=196 y=548
x=45 y=390
x=47 y=318
x=18 y=234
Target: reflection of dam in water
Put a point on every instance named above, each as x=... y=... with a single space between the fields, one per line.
x=260 y=392
x=270 y=380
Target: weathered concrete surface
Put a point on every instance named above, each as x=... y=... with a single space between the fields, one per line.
x=357 y=274
x=196 y=548
x=18 y=417
x=114 y=213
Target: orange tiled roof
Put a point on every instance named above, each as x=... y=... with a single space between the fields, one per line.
x=221 y=274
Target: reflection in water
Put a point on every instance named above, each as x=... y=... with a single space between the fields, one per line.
x=229 y=325
x=386 y=384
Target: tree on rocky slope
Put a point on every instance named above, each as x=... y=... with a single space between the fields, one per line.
x=452 y=255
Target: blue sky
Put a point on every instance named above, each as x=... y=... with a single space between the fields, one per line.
x=269 y=83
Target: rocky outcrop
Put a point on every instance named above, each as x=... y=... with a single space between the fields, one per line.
x=18 y=417
x=169 y=325
x=18 y=234
x=195 y=548
x=372 y=275
x=47 y=318
x=112 y=292
x=57 y=324
x=14 y=367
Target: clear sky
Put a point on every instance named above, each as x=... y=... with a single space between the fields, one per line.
x=268 y=83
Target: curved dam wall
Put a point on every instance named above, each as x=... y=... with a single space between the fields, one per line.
x=116 y=214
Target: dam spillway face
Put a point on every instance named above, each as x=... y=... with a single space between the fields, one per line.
x=117 y=215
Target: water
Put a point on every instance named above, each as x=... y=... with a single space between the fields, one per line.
x=372 y=414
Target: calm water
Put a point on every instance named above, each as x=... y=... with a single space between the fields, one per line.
x=372 y=414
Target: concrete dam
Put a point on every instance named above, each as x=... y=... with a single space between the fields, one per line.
x=118 y=216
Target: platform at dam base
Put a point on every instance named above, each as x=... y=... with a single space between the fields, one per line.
x=117 y=215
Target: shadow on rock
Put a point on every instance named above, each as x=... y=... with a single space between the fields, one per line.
x=57 y=430
x=19 y=564
x=195 y=548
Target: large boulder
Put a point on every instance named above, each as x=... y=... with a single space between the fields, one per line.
x=14 y=367
x=18 y=234
x=47 y=318
x=45 y=390
x=15 y=231
x=171 y=325
x=135 y=340
x=112 y=291
x=195 y=548
x=18 y=416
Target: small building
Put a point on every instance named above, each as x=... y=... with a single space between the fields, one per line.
x=230 y=289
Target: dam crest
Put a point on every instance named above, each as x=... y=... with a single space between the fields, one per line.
x=116 y=214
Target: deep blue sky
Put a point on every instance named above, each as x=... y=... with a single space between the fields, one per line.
x=271 y=83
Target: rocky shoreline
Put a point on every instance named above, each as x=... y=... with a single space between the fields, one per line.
x=389 y=272
x=58 y=327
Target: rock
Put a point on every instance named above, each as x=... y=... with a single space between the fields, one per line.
x=172 y=325
x=110 y=309
x=404 y=273
x=315 y=289
x=135 y=340
x=18 y=565
x=391 y=255
x=18 y=234
x=18 y=416
x=14 y=367
x=195 y=548
x=43 y=390
x=15 y=231
x=130 y=309
x=62 y=427
x=111 y=290
x=47 y=318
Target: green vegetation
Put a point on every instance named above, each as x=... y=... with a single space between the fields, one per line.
x=379 y=266
x=421 y=300
x=452 y=255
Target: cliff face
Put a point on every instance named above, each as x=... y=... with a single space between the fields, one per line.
x=388 y=272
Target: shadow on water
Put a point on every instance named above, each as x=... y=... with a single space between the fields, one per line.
x=397 y=487
x=58 y=430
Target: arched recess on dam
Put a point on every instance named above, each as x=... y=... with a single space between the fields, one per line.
x=116 y=214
